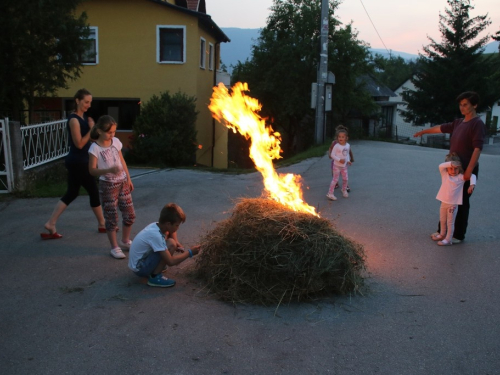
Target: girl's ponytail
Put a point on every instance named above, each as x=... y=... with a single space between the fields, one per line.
x=94 y=134
x=104 y=124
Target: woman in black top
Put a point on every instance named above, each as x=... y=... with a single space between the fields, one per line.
x=77 y=164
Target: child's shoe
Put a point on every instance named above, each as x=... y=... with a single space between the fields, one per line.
x=445 y=242
x=117 y=253
x=331 y=197
x=436 y=236
x=125 y=245
x=337 y=186
x=348 y=189
x=345 y=194
x=160 y=281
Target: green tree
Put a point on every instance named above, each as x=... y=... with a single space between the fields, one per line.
x=284 y=62
x=393 y=71
x=349 y=60
x=497 y=38
x=40 y=49
x=164 y=132
x=453 y=66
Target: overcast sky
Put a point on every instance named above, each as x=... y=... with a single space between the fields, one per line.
x=403 y=25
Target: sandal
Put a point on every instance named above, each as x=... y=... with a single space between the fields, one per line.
x=444 y=243
x=50 y=236
x=103 y=229
x=437 y=237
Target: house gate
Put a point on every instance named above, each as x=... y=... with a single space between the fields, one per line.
x=6 y=176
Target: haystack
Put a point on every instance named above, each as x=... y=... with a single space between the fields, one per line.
x=267 y=254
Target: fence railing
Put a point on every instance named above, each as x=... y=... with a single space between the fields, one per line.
x=43 y=143
x=5 y=158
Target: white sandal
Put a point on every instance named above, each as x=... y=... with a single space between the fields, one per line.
x=444 y=243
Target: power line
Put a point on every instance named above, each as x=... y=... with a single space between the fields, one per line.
x=361 y=1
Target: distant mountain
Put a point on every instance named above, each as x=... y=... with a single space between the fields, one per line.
x=384 y=53
x=242 y=40
x=492 y=47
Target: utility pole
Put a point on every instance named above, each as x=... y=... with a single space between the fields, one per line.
x=322 y=75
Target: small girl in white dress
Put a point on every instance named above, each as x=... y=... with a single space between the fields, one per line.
x=450 y=195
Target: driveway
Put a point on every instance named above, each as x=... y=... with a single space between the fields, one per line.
x=67 y=307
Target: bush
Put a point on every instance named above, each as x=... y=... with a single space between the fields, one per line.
x=164 y=132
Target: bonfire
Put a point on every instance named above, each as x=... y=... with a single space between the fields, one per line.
x=268 y=254
x=276 y=248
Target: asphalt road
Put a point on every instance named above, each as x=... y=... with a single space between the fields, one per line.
x=67 y=307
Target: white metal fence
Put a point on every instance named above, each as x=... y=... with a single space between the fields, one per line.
x=43 y=143
x=6 y=176
x=34 y=145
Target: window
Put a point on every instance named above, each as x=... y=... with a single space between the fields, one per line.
x=203 y=44
x=387 y=115
x=171 y=44
x=211 y=56
x=91 y=54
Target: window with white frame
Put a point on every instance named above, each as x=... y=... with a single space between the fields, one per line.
x=211 y=56
x=91 y=54
x=203 y=58
x=170 y=44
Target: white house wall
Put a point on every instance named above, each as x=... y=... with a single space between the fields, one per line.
x=406 y=129
x=495 y=112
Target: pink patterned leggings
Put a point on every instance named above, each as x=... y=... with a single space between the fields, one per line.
x=114 y=196
x=337 y=172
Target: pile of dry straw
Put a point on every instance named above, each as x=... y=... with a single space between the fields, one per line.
x=267 y=254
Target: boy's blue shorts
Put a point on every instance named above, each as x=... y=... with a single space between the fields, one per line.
x=147 y=265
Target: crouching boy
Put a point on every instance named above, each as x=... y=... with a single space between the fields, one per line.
x=155 y=247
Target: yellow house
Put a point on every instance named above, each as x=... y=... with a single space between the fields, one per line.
x=145 y=47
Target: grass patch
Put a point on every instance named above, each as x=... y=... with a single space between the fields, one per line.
x=50 y=189
x=51 y=181
x=46 y=182
x=312 y=152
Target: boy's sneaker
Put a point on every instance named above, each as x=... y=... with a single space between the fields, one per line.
x=161 y=281
x=117 y=253
x=455 y=240
x=345 y=194
x=125 y=245
x=331 y=197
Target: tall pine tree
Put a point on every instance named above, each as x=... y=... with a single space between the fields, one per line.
x=451 y=67
x=497 y=38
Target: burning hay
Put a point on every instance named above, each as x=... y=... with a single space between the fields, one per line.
x=268 y=254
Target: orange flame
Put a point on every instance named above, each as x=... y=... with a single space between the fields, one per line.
x=239 y=112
